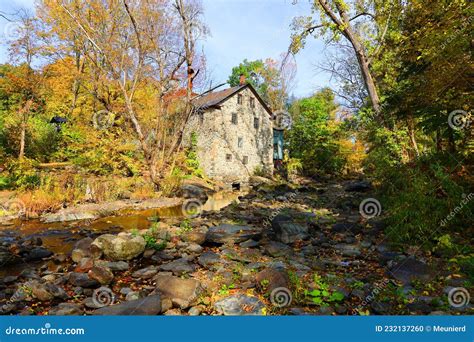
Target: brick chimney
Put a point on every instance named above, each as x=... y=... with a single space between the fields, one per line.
x=242 y=80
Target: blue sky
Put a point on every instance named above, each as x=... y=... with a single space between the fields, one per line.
x=252 y=29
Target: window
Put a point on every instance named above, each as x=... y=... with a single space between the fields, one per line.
x=245 y=160
x=240 y=99
x=228 y=157
x=240 y=142
x=234 y=118
x=252 y=102
x=256 y=123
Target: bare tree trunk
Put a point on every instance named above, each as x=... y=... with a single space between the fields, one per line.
x=411 y=133
x=24 y=117
x=343 y=23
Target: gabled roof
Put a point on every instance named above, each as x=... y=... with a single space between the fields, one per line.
x=214 y=99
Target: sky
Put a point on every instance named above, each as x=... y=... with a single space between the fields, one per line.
x=241 y=29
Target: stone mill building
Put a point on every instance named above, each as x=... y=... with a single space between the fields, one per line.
x=234 y=131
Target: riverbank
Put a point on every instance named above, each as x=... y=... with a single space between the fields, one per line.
x=280 y=249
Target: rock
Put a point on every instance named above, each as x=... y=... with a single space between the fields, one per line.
x=7 y=257
x=348 y=250
x=145 y=273
x=173 y=312
x=38 y=253
x=150 y=305
x=47 y=291
x=91 y=303
x=113 y=265
x=194 y=191
x=166 y=304
x=121 y=247
x=66 y=309
x=132 y=295
x=228 y=233
x=277 y=249
x=148 y=253
x=208 y=259
x=178 y=267
x=346 y=227
x=9 y=279
x=194 y=248
x=239 y=305
x=81 y=249
x=420 y=307
x=182 y=291
x=82 y=280
x=270 y=279
x=102 y=274
x=84 y=265
x=194 y=311
x=360 y=186
x=381 y=308
x=195 y=237
x=249 y=244
x=411 y=269
x=287 y=231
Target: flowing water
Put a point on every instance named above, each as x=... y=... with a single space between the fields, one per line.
x=59 y=237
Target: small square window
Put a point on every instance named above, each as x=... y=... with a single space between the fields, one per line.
x=252 y=102
x=256 y=123
x=240 y=142
x=228 y=157
x=245 y=160
x=240 y=99
x=234 y=118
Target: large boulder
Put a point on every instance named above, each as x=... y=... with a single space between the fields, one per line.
x=359 y=186
x=179 y=266
x=81 y=249
x=102 y=274
x=240 y=305
x=184 y=292
x=123 y=246
x=7 y=257
x=82 y=280
x=287 y=231
x=47 y=291
x=147 y=306
x=411 y=269
x=271 y=278
x=229 y=233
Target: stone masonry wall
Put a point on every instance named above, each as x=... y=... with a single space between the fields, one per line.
x=218 y=138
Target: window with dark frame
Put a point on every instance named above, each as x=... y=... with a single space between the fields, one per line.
x=240 y=142
x=245 y=160
x=256 y=123
x=252 y=102
x=240 y=99
x=234 y=118
x=228 y=157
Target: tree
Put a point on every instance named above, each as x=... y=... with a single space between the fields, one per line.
x=336 y=18
x=138 y=48
x=272 y=79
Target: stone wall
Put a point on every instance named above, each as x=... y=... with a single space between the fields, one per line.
x=218 y=139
